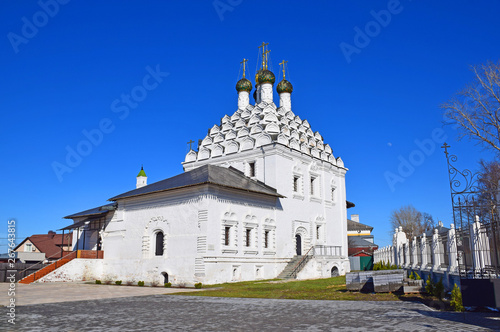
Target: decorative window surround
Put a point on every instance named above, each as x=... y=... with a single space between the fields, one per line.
x=296 y=184
x=250 y=224
x=266 y=239
x=271 y=229
x=233 y=237
x=315 y=187
x=320 y=225
x=333 y=194
x=315 y=199
x=248 y=237
x=251 y=169
x=236 y=272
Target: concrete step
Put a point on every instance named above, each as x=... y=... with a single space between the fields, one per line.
x=288 y=270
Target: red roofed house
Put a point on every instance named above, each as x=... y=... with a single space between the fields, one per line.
x=39 y=247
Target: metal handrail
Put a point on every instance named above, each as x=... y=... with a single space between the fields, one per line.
x=302 y=262
x=40 y=262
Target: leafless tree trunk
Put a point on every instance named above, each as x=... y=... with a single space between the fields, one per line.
x=476 y=109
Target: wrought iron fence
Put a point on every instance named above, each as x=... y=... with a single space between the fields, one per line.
x=476 y=220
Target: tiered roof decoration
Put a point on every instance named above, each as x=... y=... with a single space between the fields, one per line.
x=261 y=124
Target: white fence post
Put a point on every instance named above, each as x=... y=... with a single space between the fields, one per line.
x=452 y=250
x=407 y=253
x=435 y=250
x=423 y=249
x=414 y=252
x=480 y=245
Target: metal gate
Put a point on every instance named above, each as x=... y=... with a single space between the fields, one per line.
x=475 y=216
x=476 y=220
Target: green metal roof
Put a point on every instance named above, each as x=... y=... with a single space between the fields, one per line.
x=142 y=173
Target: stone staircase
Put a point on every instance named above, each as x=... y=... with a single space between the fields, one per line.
x=47 y=269
x=287 y=272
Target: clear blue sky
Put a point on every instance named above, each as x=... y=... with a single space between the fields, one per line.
x=65 y=73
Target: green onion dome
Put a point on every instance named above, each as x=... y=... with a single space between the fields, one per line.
x=265 y=76
x=141 y=172
x=244 y=85
x=257 y=76
x=284 y=86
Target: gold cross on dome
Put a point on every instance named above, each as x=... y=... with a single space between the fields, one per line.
x=283 y=64
x=263 y=46
x=266 y=57
x=244 y=62
x=190 y=142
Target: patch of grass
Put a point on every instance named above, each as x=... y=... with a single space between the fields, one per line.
x=318 y=289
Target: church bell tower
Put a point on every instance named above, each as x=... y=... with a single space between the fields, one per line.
x=142 y=179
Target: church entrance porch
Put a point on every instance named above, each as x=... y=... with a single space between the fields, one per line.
x=298 y=244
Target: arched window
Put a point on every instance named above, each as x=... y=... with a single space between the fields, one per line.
x=159 y=244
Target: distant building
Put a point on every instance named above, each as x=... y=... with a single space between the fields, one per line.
x=360 y=244
x=40 y=247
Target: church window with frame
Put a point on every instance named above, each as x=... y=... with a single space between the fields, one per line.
x=333 y=194
x=313 y=185
x=251 y=169
x=227 y=231
x=248 y=237
x=317 y=232
x=266 y=239
x=159 y=243
x=27 y=247
x=296 y=180
x=229 y=235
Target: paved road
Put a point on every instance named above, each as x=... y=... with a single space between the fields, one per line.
x=39 y=293
x=166 y=312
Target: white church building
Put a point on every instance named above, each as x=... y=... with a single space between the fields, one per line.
x=262 y=196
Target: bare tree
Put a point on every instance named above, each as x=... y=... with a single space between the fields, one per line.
x=489 y=176
x=413 y=222
x=476 y=109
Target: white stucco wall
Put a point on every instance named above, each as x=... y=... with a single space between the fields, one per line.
x=321 y=267
x=78 y=269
